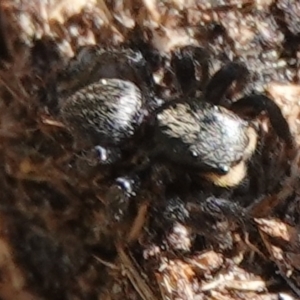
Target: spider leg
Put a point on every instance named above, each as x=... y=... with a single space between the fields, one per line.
x=223 y=79
x=183 y=62
x=253 y=105
x=120 y=194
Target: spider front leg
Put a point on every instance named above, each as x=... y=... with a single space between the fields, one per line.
x=183 y=62
x=253 y=105
x=120 y=196
x=127 y=202
x=223 y=79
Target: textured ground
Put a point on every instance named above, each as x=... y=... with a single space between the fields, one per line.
x=55 y=239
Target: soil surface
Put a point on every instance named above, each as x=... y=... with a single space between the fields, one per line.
x=57 y=237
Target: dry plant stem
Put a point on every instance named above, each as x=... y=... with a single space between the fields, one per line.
x=252 y=246
x=151 y=7
x=240 y=285
x=138 y=223
x=288 y=281
x=134 y=275
x=164 y=296
x=18 y=92
x=53 y=123
x=103 y=6
x=281 y=271
x=106 y=263
x=110 y=18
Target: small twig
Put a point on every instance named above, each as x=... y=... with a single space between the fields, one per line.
x=253 y=247
x=134 y=275
x=53 y=122
x=293 y=286
x=247 y=285
x=138 y=223
x=106 y=263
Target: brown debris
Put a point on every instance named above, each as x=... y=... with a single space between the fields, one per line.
x=56 y=239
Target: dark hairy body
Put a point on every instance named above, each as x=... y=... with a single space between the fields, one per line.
x=207 y=138
x=192 y=132
x=119 y=100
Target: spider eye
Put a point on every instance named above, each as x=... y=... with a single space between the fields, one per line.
x=194 y=153
x=223 y=169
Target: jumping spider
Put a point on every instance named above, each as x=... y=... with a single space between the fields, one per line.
x=114 y=108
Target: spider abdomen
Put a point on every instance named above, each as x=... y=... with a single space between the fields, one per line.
x=105 y=112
